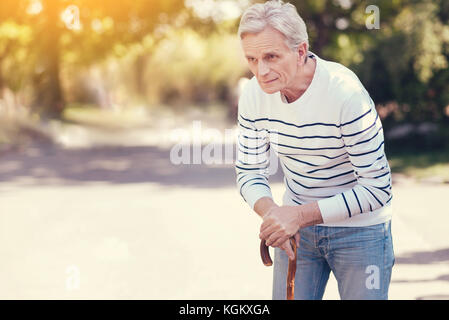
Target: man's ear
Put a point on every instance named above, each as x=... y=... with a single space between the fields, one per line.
x=302 y=52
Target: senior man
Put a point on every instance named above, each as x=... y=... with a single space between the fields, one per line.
x=322 y=124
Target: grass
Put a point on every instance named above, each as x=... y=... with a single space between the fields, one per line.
x=19 y=129
x=111 y=119
x=421 y=166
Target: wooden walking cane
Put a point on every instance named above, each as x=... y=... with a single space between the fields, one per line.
x=266 y=259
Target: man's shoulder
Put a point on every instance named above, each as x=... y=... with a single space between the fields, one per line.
x=341 y=78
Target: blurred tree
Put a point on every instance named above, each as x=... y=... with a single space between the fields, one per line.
x=81 y=31
x=405 y=60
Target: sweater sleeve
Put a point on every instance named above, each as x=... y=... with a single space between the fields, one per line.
x=362 y=133
x=252 y=164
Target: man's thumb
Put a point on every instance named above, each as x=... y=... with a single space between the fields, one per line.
x=297 y=237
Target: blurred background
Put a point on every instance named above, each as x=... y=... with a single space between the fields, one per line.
x=94 y=94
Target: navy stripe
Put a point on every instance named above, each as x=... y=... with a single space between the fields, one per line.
x=310 y=164
x=241 y=187
x=368 y=165
x=311 y=149
x=257 y=153
x=308 y=124
x=246 y=137
x=323 y=137
x=253 y=184
x=251 y=164
x=258 y=178
x=238 y=180
x=338 y=185
x=315 y=155
x=383 y=190
x=284 y=134
x=245 y=174
x=354 y=134
x=316 y=178
x=316 y=170
x=346 y=203
x=391 y=197
x=292 y=124
x=303 y=137
x=251 y=168
x=387 y=186
x=357 y=198
x=358 y=118
x=367 y=140
x=365 y=153
x=296 y=202
x=373 y=196
x=286 y=182
x=252 y=148
x=299 y=195
x=384 y=174
x=252 y=129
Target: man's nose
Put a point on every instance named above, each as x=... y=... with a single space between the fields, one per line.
x=262 y=68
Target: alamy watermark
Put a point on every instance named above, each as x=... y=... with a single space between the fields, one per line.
x=71 y=17
x=73 y=279
x=373 y=20
x=213 y=147
x=373 y=280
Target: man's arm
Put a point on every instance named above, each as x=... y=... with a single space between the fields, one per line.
x=252 y=164
x=363 y=138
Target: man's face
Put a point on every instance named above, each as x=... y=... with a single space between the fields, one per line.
x=270 y=59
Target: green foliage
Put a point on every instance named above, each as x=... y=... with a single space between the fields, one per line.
x=160 y=52
x=16 y=60
x=190 y=67
x=405 y=61
x=95 y=30
x=423 y=165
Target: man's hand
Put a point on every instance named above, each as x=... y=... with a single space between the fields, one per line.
x=279 y=224
x=287 y=247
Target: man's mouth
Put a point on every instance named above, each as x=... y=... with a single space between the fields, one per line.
x=270 y=81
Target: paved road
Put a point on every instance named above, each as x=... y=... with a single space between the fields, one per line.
x=122 y=222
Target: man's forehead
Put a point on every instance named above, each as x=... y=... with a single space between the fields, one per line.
x=267 y=41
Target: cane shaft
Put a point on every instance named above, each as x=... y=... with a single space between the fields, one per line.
x=291 y=273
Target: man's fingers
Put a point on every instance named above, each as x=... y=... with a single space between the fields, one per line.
x=288 y=250
x=277 y=238
x=297 y=237
x=267 y=223
x=268 y=231
x=280 y=241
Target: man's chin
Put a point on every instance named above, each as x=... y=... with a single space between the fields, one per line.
x=269 y=88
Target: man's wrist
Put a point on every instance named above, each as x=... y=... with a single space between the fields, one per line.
x=264 y=205
x=309 y=214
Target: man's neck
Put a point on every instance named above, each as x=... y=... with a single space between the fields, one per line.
x=302 y=81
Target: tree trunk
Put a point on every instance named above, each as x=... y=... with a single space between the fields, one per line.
x=52 y=99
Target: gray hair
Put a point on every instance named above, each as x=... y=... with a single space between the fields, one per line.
x=279 y=15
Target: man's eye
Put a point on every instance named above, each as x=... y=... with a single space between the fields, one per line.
x=271 y=57
x=251 y=59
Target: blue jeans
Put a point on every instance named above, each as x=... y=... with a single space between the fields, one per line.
x=361 y=259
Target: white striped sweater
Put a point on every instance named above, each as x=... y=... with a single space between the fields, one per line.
x=330 y=144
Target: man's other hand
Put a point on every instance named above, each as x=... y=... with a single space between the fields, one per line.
x=279 y=224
